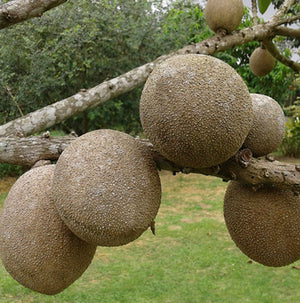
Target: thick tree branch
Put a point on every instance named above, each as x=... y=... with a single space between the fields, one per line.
x=17 y=11
x=278 y=56
x=287 y=32
x=57 y=112
x=28 y=151
x=242 y=167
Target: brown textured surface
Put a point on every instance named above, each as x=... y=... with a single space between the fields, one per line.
x=261 y=62
x=107 y=188
x=264 y=224
x=196 y=110
x=267 y=131
x=36 y=247
x=225 y=14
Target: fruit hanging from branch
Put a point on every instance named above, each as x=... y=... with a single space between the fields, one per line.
x=106 y=188
x=196 y=110
x=261 y=62
x=264 y=223
x=224 y=15
x=267 y=131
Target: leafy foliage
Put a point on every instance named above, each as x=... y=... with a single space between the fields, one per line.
x=291 y=143
x=43 y=61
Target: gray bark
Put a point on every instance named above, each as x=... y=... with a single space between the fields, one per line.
x=28 y=151
x=17 y=11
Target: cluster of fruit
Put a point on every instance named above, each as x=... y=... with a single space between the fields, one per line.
x=105 y=190
x=227 y=15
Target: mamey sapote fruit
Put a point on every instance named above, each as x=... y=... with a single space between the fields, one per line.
x=261 y=62
x=267 y=131
x=264 y=224
x=196 y=110
x=225 y=14
x=107 y=188
x=36 y=247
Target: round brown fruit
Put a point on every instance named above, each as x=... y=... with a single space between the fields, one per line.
x=36 y=247
x=225 y=14
x=107 y=188
x=196 y=110
x=264 y=224
x=261 y=62
x=267 y=131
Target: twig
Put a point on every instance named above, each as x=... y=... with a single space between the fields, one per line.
x=14 y=100
x=287 y=20
x=254 y=12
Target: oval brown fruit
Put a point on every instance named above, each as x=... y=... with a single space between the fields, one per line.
x=36 y=247
x=107 y=188
x=225 y=14
x=261 y=62
x=196 y=110
x=267 y=131
x=264 y=224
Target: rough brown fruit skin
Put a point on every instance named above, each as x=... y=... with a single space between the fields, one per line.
x=196 y=110
x=225 y=14
x=36 y=247
x=261 y=62
x=267 y=131
x=264 y=224
x=107 y=188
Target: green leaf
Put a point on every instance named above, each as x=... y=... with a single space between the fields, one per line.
x=263 y=5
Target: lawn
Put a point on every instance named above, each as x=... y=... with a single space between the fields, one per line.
x=191 y=259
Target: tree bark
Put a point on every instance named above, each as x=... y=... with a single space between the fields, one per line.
x=243 y=167
x=287 y=32
x=270 y=46
x=17 y=11
x=27 y=151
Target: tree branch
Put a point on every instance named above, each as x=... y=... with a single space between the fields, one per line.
x=287 y=20
x=57 y=112
x=282 y=11
x=28 y=151
x=276 y=54
x=31 y=150
x=254 y=12
x=16 y=11
x=287 y=32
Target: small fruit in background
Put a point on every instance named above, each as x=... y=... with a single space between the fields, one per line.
x=267 y=131
x=261 y=62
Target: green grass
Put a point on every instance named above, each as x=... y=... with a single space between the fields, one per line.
x=191 y=259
